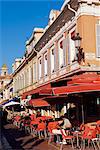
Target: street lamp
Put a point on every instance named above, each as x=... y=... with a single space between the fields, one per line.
x=80 y=54
x=77 y=40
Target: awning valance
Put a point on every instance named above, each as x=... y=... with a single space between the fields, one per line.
x=38 y=102
x=42 y=90
x=45 y=92
x=84 y=79
x=76 y=89
x=11 y=104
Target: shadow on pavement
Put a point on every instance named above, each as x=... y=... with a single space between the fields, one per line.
x=11 y=133
x=18 y=140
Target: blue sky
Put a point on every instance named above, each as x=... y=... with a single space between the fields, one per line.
x=17 y=21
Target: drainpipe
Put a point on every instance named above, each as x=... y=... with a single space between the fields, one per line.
x=72 y=9
x=36 y=51
x=69 y=7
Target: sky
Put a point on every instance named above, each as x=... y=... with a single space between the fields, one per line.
x=18 y=18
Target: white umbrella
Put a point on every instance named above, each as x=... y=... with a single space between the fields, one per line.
x=11 y=104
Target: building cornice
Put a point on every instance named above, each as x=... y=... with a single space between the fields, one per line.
x=86 y=9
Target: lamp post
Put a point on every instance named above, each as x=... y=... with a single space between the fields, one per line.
x=77 y=40
x=80 y=54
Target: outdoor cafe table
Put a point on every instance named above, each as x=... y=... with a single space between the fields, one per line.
x=76 y=134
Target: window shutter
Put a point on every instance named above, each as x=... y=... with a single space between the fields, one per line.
x=65 y=50
x=98 y=40
x=68 y=50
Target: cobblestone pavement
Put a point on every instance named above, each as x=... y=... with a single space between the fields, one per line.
x=14 y=139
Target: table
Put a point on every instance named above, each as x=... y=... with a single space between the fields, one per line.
x=76 y=133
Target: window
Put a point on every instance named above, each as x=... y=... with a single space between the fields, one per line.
x=2 y=82
x=98 y=40
x=45 y=64
x=5 y=73
x=72 y=50
x=61 y=53
x=34 y=72
x=30 y=75
x=52 y=59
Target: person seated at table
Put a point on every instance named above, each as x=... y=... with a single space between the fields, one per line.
x=66 y=123
x=38 y=114
x=32 y=116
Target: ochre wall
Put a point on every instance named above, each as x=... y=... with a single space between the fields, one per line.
x=86 y=27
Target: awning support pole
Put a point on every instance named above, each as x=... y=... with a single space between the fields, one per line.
x=82 y=114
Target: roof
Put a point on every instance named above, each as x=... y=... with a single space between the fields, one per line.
x=4 y=66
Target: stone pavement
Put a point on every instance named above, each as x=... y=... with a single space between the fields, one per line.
x=14 y=139
x=4 y=145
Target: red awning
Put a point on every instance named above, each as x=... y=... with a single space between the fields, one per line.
x=38 y=102
x=45 y=92
x=42 y=90
x=76 y=89
x=85 y=78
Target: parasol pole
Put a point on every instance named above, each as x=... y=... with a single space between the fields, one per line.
x=82 y=114
x=12 y=109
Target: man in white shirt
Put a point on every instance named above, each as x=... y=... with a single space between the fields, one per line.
x=67 y=124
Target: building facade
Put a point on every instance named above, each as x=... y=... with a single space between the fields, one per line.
x=5 y=79
x=51 y=53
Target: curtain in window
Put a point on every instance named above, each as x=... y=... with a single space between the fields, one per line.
x=98 y=40
x=52 y=60
x=45 y=64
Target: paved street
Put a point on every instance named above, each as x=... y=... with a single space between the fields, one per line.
x=13 y=139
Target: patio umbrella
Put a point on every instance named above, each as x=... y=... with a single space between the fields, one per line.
x=12 y=103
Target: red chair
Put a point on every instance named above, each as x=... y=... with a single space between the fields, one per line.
x=32 y=116
x=96 y=140
x=98 y=126
x=33 y=126
x=66 y=137
x=17 y=120
x=41 y=128
x=89 y=135
x=52 y=126
x=27 y=126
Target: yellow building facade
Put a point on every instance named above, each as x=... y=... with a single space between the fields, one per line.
x=53 y=56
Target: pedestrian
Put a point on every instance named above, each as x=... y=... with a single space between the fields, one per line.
x=1 y=118
x=5 y=113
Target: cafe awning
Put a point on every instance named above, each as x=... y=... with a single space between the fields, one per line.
x=76 y=89
x=38 y=102
x=45 y=92
x=87 y=78
x=42 y=90
x=12 y=103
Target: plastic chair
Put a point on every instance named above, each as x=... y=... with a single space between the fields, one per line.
x=17 y=120
x=66 y=137
x=52 y=126
x=90 y=136
x=41 y=128
x=33 y=126
x=96 y=138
